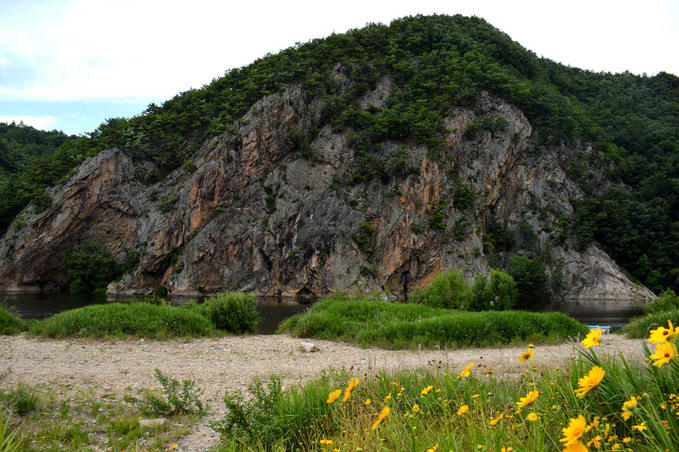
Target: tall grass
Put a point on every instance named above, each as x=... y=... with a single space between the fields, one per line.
x=135 y=319
x=396 y=325
x=231 y=312
x=633 y=406
x=638 y=328
x=10 y=323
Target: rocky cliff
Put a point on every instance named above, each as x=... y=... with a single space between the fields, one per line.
x=273 y=208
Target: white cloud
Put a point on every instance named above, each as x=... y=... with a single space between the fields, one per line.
x=153 y=49
x=39 y=122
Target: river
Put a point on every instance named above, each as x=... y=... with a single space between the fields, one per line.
x=275 y=310
x=41 y=305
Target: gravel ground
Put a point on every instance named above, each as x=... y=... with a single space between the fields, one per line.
x=231 y=363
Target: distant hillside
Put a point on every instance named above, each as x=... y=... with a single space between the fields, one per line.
x=433 y=67
x=30 y=162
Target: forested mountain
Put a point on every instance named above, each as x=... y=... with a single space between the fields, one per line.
x=31 y=160
x=434 y=65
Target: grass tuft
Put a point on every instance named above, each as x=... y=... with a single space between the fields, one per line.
x=396 y=325
x=135 y=319
x=10 y=323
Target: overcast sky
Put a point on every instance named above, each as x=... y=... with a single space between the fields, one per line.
x=71 y=64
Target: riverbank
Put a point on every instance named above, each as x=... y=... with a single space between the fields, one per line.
x=232 y=363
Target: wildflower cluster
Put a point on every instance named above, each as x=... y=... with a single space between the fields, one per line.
x=665 y=349
x=648 y=420
x=596 y=405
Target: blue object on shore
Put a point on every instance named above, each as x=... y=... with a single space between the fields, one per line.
x=604 y=328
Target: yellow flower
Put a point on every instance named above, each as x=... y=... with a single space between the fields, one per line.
x=352 y=384
x=173 y=447
x=616 y=446
x=662 y=334
x=416 y=408
x=663 y=353
x=641 y=427
x=576 y=447
x=463 y=410
x=334 y=395
x=326 y=442
x=368 y=401
x=590 y=381
x=385 y=412
x=628 y=407
x=530 y=398
x=497 y=419
x=525 y=356
x=507 y=449
x=465 y=371
x=592 y=338
x=386 y=399
x=596 y=442
x=627 y=439
x=426 y=390
x=433 y=449
x=594 y=424
x=574 y=431
x=532 y=417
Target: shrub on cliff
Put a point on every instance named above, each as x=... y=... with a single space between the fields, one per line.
x=10 y=323
x=233 y=312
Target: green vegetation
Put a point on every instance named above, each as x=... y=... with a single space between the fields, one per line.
x=618 y=405
x=90 y=268
x=638 y=328
x=9 y=439
x=136 y=319
x=596 y=402
x=531 y=281
x=155 y=318
x=667 y=301
x=496 y=291
x=68 y=419
x=447 y=290
x=433 y=64
x=232 y=312
x=176 y=398
x=31 y=161
x=10 y=323
x=396 y=325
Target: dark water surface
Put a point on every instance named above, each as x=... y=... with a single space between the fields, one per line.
x=274 y=310
x=41 y=305
x=613 y=314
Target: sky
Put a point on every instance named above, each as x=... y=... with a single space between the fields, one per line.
x=71 y=64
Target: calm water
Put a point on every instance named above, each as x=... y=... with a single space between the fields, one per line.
x=41 y=305
x=275 y=310
x=616 y=315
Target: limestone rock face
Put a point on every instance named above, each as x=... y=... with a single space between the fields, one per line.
x=257 y=214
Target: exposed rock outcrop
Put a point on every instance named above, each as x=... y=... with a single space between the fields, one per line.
x=258 y=215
